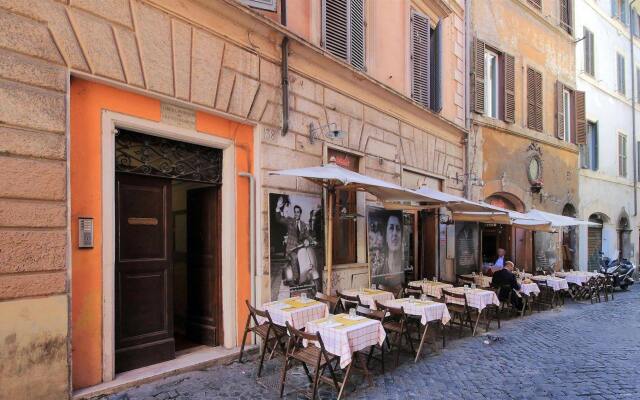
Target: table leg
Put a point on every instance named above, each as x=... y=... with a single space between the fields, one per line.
x=481 y=312
x=363 y=361
x=345 y=379
x=422 y=340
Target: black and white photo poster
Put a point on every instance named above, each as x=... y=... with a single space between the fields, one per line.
x=296 y=234
x=385 y=245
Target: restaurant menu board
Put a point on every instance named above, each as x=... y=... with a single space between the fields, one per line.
x=546 y=250
x=296 y=245
x=466 y=247
x=385 y=245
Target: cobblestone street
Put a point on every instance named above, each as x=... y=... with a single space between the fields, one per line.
x=581 y=351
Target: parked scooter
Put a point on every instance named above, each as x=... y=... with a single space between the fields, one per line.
x=622 y=270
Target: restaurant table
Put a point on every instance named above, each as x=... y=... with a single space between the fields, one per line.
x=369 y=296
x=480 y=280
x=554 y=282
x=577 y=277
x=427 y=311
x=431 y=288
x=295 y=311
x=526 y=291
x=476 y=298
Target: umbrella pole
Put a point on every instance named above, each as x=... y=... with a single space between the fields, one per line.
x=329 y=246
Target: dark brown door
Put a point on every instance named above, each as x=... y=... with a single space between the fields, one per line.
x=143 y=284
x=428 y=244
x=204 y=289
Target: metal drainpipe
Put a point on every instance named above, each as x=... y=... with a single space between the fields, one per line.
x=285 y=70
x=467 y=111
x=252 y=232
x=634 y=145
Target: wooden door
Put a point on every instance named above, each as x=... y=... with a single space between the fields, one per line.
x=204 y=274
x=143 y=281
x=428 y=244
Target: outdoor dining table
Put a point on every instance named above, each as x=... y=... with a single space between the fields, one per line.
x=425 y=309
x=476 y=298
x=345 y=336
x=577 y=277
x=526 y=291
x=296 y=311
x=431 y=288
x=554 y=282
x=480 y=280
x=370 y=296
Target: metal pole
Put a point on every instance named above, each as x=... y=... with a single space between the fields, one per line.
x=329 y=245
x=634 y=145
x=252 y=232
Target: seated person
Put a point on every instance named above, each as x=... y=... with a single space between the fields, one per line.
x=499 y=264
x=505 y=280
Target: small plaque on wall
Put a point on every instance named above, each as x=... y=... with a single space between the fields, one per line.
x=85 y=232
x=177 y=116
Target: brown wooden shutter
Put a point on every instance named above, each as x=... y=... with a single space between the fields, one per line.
x=536 y=3
x=560 y=111
x=565 y=15
x=509 y=88
x=420 y=59
x=534 y=100
x=478 y=76
x=336 y=28
x=581 y=118
x=356 y=17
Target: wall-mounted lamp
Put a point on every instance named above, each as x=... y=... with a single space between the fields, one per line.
x=329 y=131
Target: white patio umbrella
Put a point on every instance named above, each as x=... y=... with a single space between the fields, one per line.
x=558 y=221
x=515 y=218
x=333 y=177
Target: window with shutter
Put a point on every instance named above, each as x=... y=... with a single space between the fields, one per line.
x=534 y=100
x=565 y=16
x=621 y=74
x=478 y=76
x=589 y=150
x=343 y=29
x=268 y=5
x=624 y=11
x=622 y=155
x=536 y=3
x=420 y=58
x=491 y=83
x=436 y=68
x=589 y=58
x=615 y=8
x=509 y=88
x=560 y=111
x=581 y=117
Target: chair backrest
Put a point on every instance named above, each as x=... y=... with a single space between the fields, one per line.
x=395 y=290
x=369 y=313
x=411 y=291
x=464 y=279
x=330 y=301
x=254 y=313
x=460 y=296
x=349 y=302
x=393 y=312
x=296 y=338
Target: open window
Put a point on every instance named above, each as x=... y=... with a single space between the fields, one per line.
x=571 y=124
x=343 y=30
x=493 y=82
x=426 y=61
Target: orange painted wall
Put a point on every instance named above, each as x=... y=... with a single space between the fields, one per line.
x=88 y=99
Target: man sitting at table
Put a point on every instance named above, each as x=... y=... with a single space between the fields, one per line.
x=506 y=281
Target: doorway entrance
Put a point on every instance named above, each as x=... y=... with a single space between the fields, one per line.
x=168 y=286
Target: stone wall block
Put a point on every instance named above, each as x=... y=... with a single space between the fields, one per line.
x=391 y=138
x=31 y=107
x=113 y=10
x=130 y=55
x=273 y=136
x=378 y=148
x=373 y=164
x=409 y=152
x=355 y=132
x=278 y=182
x=182 y=58
x=28 y=251
x=369 y=131
x=299 y=122
x=98 y=41
x=265 y=95
x=270 y=72
x=225 y=88
x=302 y=86
x=310 y=108
x=40 y=284
x=272 y=115
x=303 y=145
x=32 y=179
x=205 y=69
x=381 y=120
x=306 y=186
x=339 y=102
x=276 y=157
x=31 y=143
x=32 y=71
x=430 y=152
x=406 y=130
x=154 y=36
x=19 y=213
x=241 y=60
x=243 y=95
x=27 y=36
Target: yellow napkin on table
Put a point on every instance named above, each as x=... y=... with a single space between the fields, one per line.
x=297 y=303
x=372 y=291
x=346 y=322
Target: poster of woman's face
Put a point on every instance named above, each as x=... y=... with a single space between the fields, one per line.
x=385 y=245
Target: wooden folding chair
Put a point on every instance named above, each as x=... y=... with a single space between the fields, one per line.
x=460 y=311
x=411 y=291
x=464 y=280
x=608 y=287
x=395 y=290
x=377 y=315
x=270 y=333
x=331 y=301
x=546 y=297
x=395 y=322
x=313 y=354
x=349 y=302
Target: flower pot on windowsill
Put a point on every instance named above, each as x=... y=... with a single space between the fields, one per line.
x=536 y=186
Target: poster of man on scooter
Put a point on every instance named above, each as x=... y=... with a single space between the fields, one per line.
x=296 y=234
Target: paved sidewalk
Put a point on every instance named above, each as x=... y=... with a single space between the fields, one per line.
x=582 y=351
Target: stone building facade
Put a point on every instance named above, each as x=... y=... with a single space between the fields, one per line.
x=73 y=73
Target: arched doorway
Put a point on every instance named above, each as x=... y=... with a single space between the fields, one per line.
x=624 y=236
x=515 y=241
x=569 y=239
x=594 y=242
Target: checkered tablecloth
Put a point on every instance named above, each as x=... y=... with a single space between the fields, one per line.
x=343 y=340
x=426 y=310
x=282 y=312
x=529 y=288
x=553 y=282
x=577 y=277
x=369 y=296
x=476 y=298
x=431 y=288
x=480 y=280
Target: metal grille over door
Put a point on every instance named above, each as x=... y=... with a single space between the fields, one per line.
x=141 y=154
